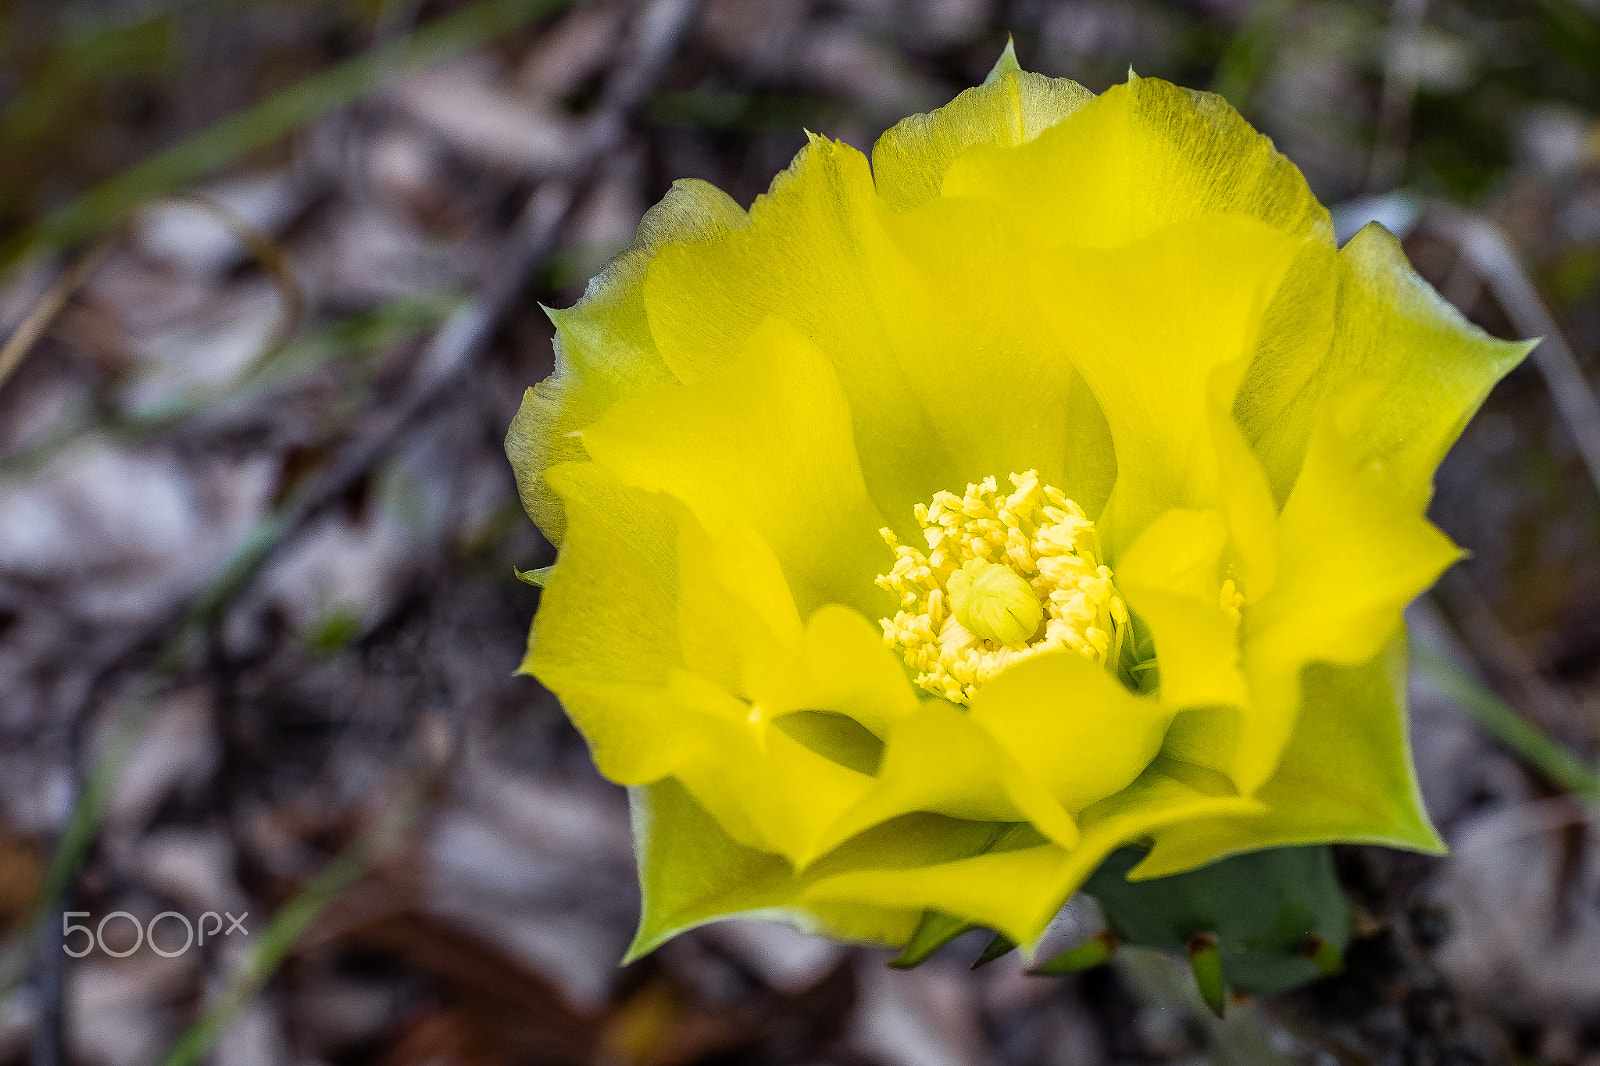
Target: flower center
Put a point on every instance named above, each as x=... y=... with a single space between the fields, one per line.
x=1005 y=577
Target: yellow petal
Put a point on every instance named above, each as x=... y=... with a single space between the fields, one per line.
x=767 y=790
x=1149 y=326
x=1434 y=366
x=1002 y=395
x=1346 y=776
x=605 y=639
x=1172 y=579
x=966 y=888
x=737 y=621
x=603 y=347
x=845 y=669
x=1070 y=725
x=1353 y=550
x=939 y=760
x=1012 y=107
x=766 y=444
x=815 y=254
x=1138 y=158
x=1038 y=879
x=923 y=315
x=691 y=872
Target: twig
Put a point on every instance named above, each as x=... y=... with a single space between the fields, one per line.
x=267 y=121
x=270 y=255
x=1492 y=645
x=290 y=923
x=657 y=33
x=268 y=379
x=51 y=304
x=1250 y=51
x=1500 y=720
x=49 y=1028
x=1400 y=76
x=261 y=245
x=1491 y=254
x=658 y=30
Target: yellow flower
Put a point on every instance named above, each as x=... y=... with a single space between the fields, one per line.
x=936 y=527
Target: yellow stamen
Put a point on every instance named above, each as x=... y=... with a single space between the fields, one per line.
x=1232 y=600
x=1005 y=577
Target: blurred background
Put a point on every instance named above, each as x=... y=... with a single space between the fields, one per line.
x=271 y=276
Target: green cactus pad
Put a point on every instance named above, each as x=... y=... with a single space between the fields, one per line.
x=1279 y=916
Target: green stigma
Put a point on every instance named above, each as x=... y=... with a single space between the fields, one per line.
x=994 y=603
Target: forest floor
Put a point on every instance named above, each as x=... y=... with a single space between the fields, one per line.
x=258 y=610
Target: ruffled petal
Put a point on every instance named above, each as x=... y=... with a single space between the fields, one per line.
x=1345 y=776
x=1172 y=578
x=940 y=760
x=691 y=872
x=766 y=789
x=815 y=254
x=1149 y=326
x=1136 y=159
x=844 y=669
x=924 y=316
x=1071 y=726
x=1037 y=879
x=604 y=349
x=1004 y=395
x=1390 y=327
x=1353 y=550
x=766 y=444
x=605 y=639
x=1011 y=107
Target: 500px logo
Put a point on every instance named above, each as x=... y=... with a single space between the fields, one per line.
x=142 y=933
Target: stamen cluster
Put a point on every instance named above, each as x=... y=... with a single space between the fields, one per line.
x=1041 y=536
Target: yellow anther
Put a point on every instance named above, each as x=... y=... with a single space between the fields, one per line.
x=1006 y=577
x=1231 y=600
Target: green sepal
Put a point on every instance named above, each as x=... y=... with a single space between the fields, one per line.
x=535 y=577
x=1262 y=908
x=1324 y=955
x=1206 y=961
x=933 y=932
x=1087 y=955
x=1000 y=945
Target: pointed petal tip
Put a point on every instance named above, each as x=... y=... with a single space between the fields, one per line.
x=1006 y=63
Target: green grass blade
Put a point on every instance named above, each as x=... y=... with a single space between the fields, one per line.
x=285 y=930
x=1501 y=721
x=272 y=118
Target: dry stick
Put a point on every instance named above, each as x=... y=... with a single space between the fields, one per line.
x=658 y=30
x=51 y=304
x=265 y=122
x=1436 y=657
x=1486 y=247
x=1492 y=644
x=269 y=253
x=1400 y=77
x=292 y=920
